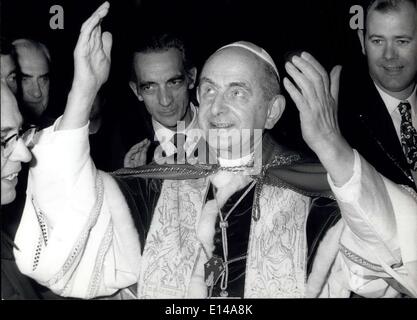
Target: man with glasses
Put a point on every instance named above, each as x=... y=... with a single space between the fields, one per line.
x=14 y=152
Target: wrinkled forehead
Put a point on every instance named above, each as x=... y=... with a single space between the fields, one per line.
x=10 y=115
x=148 y=64
x=233 y=62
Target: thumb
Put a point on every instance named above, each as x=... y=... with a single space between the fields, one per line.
x=334 y=81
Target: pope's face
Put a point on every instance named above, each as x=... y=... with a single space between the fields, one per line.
x=231 y=98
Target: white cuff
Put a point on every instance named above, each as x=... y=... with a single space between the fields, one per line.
x=351 y=189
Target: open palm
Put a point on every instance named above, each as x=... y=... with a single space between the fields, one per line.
x=92 y=52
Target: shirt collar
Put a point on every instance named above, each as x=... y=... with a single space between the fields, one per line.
x=163 y=134
x=392 y=103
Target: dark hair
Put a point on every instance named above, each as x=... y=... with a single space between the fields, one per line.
x=386 y=6
x=160 y=42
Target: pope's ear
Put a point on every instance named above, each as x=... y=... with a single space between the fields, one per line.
x=134 y=87
x=197 y=95
x=275 y=110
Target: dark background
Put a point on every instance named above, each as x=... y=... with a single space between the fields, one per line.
x=320 y=27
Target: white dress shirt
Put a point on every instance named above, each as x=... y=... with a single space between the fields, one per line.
x=164 y=135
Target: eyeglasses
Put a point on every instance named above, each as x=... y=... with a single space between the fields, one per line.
x=27 y=135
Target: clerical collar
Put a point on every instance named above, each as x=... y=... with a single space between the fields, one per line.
x=392 y=102
x=240 y=162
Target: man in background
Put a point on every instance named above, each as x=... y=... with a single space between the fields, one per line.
x=162 y=78
x=34 y=61
x=378 y=111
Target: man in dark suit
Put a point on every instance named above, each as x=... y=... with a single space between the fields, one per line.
x=162 y=78
x=378 y=112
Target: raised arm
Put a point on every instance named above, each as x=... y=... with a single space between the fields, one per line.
x=380 y=237
x=316 y=99
x=91 y=69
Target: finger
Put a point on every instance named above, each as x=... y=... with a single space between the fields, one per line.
x=107 y=40
x=319 y=68
x=307 y=88
x=137 y=146
x=334 y=82
x=315 y=78
x=295 y=95
x=94 y=40
x=95 y=18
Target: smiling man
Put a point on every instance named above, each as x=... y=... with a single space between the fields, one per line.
x=14 y=152
x=380 y=119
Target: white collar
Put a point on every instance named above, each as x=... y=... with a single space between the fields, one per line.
x=392 y=103
x=163 y=134
x=236 y=162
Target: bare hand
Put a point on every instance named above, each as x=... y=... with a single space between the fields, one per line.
x=92 y=53
x=136 y=156
x=316 y=99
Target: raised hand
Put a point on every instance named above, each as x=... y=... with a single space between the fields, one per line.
x=92 y=53
x=136 y=156
x=91 y=70
x=316 y=95
x=316 y=98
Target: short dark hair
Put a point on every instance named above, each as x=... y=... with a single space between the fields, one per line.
x=386 y=6
x=160 y=42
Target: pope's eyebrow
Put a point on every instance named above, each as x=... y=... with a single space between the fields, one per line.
x=208 y=80
x=240 y=84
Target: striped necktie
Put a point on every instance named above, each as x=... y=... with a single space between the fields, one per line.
x=408 y=135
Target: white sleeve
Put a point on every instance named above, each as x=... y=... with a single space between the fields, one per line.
x=76 y=235
x=380 y=240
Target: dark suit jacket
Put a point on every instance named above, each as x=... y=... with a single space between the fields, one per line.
x=368 y=127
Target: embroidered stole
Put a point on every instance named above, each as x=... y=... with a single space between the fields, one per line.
x=277 y=251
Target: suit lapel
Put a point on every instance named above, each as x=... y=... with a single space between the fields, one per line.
x=374 y=115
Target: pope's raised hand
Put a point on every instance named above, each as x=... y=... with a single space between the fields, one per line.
x=92 y=53
x=316 y=98
x=315 y=95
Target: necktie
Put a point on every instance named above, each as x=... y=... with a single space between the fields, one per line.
x=408 y=135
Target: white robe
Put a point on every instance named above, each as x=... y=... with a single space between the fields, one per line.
x=77 y=236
